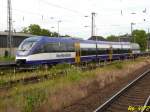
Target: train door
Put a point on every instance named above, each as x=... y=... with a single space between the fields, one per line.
x=78 y=52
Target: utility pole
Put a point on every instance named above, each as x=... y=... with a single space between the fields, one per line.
x=119 y=37
x=132 y=30
x=58 y=26
x=9 y=25
x=93 y=24
x=93 y=33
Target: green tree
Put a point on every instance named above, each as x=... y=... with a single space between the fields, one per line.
x=148 y=36
x=34 y=29
x=97 y=37
x=45 y=32
x=140 y=37
x=112 y=38
x=54 y=34
x=66 y=36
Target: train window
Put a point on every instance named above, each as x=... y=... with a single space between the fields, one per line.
x=92 y=51
x=116 y=51
x=70 y=47
x=59 y=47
x=103 y=51
x=55 y=47
x=120 y=51
x=84 y=51
x=26 y=45
x=123 y=51
x=66 y=47
x=63 y=47
x=88 y=51
x=51 y=47
x=39 y=49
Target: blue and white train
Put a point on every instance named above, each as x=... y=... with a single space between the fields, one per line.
x=52 y=50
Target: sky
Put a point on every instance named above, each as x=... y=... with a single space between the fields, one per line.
x=113 y=17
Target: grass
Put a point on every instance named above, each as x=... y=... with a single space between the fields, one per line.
x=5 y=59
x=73 y=74
x=6 y=77
x=58 y=92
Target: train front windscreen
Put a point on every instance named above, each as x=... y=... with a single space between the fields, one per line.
x=27 y=45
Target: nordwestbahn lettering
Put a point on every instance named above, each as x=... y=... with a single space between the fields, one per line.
x=63 y=55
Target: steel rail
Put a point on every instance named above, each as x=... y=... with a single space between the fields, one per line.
x=117 y=95
x=147 y=103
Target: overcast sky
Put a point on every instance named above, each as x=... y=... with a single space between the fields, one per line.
x=112 y=16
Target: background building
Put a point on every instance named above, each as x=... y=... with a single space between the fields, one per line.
x=17 y=38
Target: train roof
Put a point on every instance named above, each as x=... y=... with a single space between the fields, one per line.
x=70 y=39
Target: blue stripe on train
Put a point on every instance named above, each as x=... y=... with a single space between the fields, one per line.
x=55 y=61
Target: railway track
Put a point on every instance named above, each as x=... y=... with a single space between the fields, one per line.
x=12 y=68
x=135 y=97
x=6 y=65
x=32 y=79
x=147 y=103
x=39 y=78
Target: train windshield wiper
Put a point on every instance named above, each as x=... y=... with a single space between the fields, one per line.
x=22 y=50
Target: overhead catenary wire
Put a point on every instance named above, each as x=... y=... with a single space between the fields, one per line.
x=61 y=7
x=46 y=18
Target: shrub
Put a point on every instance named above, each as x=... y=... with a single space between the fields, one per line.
x=118 y=65
x=33 y=101
x=2 y=82
x=62 y=66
